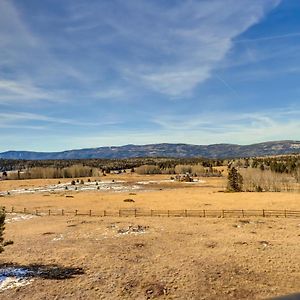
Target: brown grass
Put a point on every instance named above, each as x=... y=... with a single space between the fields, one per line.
x=156 y=258
x=172 y=259
x=179 y=195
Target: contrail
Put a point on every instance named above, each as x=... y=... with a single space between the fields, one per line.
x=269 y=38
x=227 y=85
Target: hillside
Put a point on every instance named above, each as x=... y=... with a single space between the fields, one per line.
x=164 y=150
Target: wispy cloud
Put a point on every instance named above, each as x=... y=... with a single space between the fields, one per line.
x=29 y=69
x=110 y=69
x=226 y=127
x=197 y=129
x=169 y=49
x=112 y=93
x=13 y=119
x=11 y=91
x=191 y=40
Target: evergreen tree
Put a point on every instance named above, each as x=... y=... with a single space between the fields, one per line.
x=235 y=180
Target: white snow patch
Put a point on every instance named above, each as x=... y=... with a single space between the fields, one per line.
x=14 y=277
x=295 y=146
x=156 y=181
x=16 y=217
x=58 y=238
x=117 y=185
x=195 y=181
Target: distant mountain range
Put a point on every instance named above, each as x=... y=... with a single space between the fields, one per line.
x=164 y=150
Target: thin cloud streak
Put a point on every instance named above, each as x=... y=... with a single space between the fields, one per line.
x=269 y=38
x=15 y=117
x=224 y=122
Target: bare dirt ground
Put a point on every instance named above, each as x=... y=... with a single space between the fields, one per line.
x=150 y=258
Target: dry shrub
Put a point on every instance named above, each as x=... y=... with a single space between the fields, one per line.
x=13 y=175
x=256 y=180
x=39 y=172
x=147 y=169
x=183 y=169
x=297 y=174
x=199 y=170
x=196 y=170
x=51 y=172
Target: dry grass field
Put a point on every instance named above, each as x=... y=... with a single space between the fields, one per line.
x=82 y=257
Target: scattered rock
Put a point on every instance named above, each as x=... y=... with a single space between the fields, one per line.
x=129 y=286
x=244 y=221
x=264 y=243
x=48 y=233
x=155 y=290
x=211 y=245
x=128 y=200
x=240 y=243
x=236 y=226
x=133 y=229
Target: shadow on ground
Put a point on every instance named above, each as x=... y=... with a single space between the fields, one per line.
x=52 y=271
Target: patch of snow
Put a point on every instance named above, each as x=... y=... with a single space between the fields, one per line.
x=195 y=181
x=14 y=277
x=156 y=181
x=117 y=185
x=16 y=217
x=295 y=146
x=58 y=238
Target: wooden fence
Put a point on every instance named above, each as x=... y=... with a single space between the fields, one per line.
x=224 y=213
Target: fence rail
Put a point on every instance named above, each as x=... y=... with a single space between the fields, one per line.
x=204 y=213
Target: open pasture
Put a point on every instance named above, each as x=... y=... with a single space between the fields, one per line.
x=82 y=257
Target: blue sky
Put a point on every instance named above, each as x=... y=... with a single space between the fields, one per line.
x=78 y=74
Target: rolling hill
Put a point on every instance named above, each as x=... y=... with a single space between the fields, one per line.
x=164 y=150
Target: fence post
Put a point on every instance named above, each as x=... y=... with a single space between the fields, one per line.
x=204 y=213
x=185 y=212
x=243 y=213
x=168 y=213
x=223 y=214
x=90 y=212
x=104 y=213
x=36 y=212
x=135 y=212
x=49 y=212
x=62 y=212
x=24 y=210
x=12 y=209
x=76 y=212
x=119 y=212
x=263 y=213
x=285 y=213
